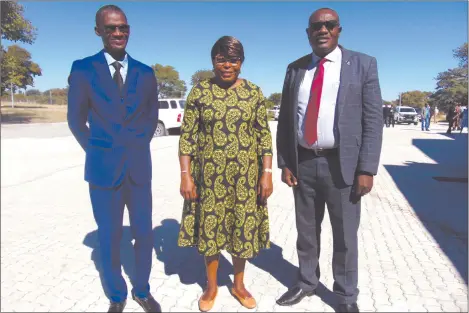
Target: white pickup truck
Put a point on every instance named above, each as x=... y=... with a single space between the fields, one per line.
x=170 y=113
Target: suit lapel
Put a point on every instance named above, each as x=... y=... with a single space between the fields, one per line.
x=130 y=88
x=298 y=79
x=345 y=78
x=131 y=78
x=103 y=74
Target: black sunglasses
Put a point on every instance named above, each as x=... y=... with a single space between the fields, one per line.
x=112 y=28
x=330 y=25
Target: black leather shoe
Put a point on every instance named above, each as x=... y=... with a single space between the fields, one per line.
x=294 y=296
x=348 y=308
x=148 y=303
x=117 y=306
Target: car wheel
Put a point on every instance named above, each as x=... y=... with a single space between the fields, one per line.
x=415 y=123
x=160 y=130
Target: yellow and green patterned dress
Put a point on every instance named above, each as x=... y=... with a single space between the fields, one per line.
x=226 y=134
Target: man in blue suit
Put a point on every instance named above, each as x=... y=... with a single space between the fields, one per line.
x=118 y=97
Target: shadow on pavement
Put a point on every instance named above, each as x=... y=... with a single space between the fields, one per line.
x=189 y=265
x=185 y=262
x=127 y=254
x=442 y=207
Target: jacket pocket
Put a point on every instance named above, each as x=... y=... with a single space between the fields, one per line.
x=96 y=142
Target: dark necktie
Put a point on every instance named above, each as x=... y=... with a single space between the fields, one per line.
x=312 y=112
x=117 y=75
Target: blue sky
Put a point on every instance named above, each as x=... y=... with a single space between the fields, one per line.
x=412 y=41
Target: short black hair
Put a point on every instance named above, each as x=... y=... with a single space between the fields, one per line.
x=108 y=7
x=228 y=46
x=325 y=9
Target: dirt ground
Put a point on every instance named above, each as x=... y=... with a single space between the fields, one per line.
x=45 y=113
x=32 y=113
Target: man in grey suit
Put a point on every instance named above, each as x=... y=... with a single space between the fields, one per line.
x=329 y=143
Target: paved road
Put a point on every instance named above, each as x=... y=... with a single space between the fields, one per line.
x=37 y=130
x=413 y=234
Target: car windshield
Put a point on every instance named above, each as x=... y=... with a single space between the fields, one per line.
x=407 y=110
x=182 y=104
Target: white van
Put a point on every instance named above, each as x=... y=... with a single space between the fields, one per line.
x=276 y=111
x=170 y=115
x=405 y=114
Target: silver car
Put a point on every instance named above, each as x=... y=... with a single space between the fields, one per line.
x=405 y=114
x=275 y=110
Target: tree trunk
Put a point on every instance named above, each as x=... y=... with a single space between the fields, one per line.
x=12 y=97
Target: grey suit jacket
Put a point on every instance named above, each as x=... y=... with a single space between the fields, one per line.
x=359 y=115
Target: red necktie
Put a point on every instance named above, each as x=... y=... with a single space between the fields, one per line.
x=312 y=112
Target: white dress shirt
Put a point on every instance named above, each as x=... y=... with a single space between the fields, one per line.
x=123 y=69
x=327 y=131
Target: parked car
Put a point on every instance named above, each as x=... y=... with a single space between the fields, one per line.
x=275 y=110
x=405 y=114
x=171 y=113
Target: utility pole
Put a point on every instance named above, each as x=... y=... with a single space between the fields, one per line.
x=400 y=98
x=50 y=96
x=12 y=98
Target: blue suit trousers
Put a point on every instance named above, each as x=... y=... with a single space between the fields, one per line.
x=108 y=209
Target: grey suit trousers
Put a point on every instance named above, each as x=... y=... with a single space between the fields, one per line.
x=320 y=182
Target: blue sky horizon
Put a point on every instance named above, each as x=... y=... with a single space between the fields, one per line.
x=412 y=41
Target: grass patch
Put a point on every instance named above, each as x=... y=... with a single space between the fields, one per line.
x=32 y=113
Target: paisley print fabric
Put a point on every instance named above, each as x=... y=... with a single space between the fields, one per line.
x=226 y=133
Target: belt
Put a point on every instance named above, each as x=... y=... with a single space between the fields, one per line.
x=318 y=152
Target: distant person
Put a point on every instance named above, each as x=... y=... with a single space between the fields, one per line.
x=450 y=118
x=426 y=117
x=329 y=139
x=391 y=116
x=435 y=115
x=464 y=118
x=387 y=114
x=457 y=118
x=225 y=154
x=118 y=97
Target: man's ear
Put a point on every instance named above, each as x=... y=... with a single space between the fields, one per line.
x=96 y=31
x=340 y=29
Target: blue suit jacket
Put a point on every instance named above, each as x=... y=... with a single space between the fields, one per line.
x=120 y=125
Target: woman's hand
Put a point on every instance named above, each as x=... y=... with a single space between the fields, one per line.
x=265 y=187
x=187 y=188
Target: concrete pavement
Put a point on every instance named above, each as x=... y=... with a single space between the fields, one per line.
x=413 y=234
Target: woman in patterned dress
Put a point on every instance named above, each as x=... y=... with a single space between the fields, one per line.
x=225 y=154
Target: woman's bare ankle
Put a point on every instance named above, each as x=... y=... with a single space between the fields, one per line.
x=210 y=293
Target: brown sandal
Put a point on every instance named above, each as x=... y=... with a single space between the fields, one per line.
x=249 y=303
x=207 y=305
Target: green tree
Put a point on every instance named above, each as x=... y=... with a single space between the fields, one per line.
x=33 y=92
x=415 y=98
x=269 y=104
x=276 y=98
x=452 y=84
x=14 y=26
x=18 y=70
x=169 y=84
x=460 y=53
x=201 y=75
x=388 y=102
